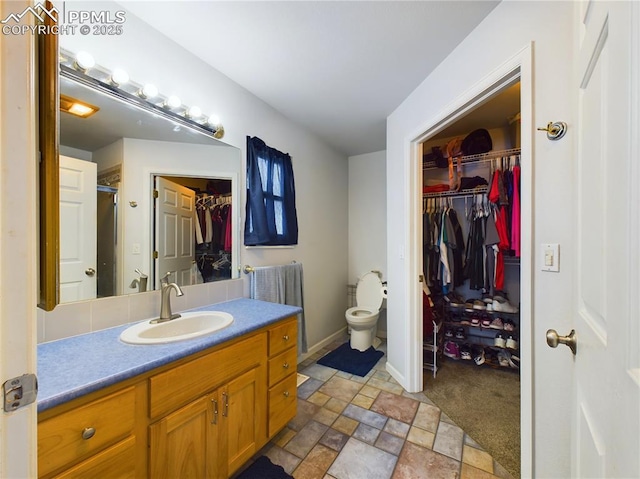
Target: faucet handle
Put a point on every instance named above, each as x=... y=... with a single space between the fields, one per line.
x=165 y=279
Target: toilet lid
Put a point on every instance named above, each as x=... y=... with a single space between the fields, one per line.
x=369 y=291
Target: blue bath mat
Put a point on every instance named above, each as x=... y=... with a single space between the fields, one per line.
x=263 y=468
x=351 y=360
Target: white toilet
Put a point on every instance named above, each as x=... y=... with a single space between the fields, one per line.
x=363 y=318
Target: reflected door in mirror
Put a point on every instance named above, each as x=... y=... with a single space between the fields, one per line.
x=77 y=229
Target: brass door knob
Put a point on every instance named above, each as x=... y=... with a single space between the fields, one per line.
x=553 y=339
x=90 y=272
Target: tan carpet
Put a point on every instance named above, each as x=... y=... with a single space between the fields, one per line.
x=485 y=403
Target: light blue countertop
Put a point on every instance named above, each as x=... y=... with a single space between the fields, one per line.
x=72 y=367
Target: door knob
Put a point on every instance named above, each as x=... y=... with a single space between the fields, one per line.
x=553 y=339
x=90 y=272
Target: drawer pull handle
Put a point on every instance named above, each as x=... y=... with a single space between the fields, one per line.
x=286 y=394
x=225 y=398
x=285 y=365
x=88 y=433
x=214 y=403
x=285 y=337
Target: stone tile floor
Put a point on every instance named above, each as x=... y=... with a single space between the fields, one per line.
x=370 y=428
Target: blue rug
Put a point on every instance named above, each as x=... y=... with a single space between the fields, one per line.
x=350 y=360
x=263 y=468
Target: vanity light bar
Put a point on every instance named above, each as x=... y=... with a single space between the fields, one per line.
x=118 y=81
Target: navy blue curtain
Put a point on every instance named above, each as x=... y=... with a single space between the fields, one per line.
x=271 y=217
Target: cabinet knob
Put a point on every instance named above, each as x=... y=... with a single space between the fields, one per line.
x=285 y=337
x=286 y=394
x=88 y=433
x=285 y=365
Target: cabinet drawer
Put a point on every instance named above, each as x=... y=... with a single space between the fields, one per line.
x=282 y=365
x=283 y=336
x=178 y=386
x=282 y=403
x=116 y=461
x=60 y=440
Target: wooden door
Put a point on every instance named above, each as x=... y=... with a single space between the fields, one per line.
x=606 y=403
x=78 y=263
x=184 y=443
x=174 y=232
x=241 y=418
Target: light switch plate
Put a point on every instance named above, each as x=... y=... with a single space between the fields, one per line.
x=550 y=253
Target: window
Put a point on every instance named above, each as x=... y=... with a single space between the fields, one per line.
x=271 y=218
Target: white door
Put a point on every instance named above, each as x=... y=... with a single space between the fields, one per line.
x=606 y=423
x=174 y=232
x=78 y=264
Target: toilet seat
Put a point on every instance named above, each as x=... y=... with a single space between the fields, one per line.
x=358 y=314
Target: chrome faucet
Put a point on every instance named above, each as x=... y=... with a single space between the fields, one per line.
x=165 y=299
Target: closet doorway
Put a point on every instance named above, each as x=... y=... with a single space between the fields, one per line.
x=470 y=333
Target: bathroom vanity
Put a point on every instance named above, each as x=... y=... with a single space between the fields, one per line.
x=196 y=408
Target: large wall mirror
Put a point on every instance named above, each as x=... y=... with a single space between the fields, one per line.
x=142 y=193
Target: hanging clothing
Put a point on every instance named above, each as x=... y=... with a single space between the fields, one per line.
x=515 y=212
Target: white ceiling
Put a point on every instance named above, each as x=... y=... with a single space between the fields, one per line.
x=337 y=67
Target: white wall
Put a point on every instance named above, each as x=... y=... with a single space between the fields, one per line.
x=509 y=28
x=368 y=219
x=321 y=174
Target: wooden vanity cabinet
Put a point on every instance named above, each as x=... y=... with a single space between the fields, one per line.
x=283 y=355
x=202 y=417
x=220 y=412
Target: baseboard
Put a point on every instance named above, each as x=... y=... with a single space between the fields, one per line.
x=395 y=373
x=318 y=346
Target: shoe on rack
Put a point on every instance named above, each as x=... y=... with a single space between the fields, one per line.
x=478 y=355
x=460 y=333
x=511 y=343
x=500 y=296
x=475 y=321
x=496 y=324
x=448 y=333
x=485 y=322
x=490 y=307
x=465 y=352
x=509 y=325
x=504 y=359
x=503 y=307
x=465 y=320
x=479 y=305
x=451 y=350
x=487 y=298
x=499 y=341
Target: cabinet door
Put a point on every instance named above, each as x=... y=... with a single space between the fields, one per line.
x=241 y=403
x=183 y=444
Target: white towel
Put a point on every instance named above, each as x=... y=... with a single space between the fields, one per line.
x=283 y=285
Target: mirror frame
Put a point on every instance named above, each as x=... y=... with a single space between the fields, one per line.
x=49 y=168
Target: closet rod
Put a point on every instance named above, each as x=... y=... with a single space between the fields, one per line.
x=491 y=155
x=457 y=194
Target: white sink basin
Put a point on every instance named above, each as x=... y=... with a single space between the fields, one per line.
x=188 y=326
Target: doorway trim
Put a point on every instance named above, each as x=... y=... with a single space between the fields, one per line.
x=519 y=66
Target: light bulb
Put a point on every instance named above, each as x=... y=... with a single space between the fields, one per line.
x=214 y=120
x=119 y=77
x=194 y=112
x=84 y=61
x=148 y=91
x=173 y=102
